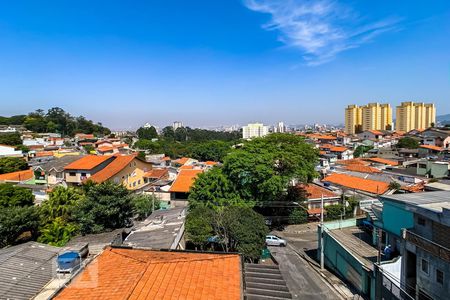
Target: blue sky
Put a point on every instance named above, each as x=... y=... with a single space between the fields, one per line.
x=218 y=62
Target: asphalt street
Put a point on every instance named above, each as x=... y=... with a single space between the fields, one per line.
x=302 y=281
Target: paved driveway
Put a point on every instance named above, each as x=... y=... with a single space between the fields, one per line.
x=302 y=281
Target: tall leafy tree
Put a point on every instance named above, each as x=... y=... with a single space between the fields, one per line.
x=11 y=195
x=199 y=226
x=408 y=142
x=144 y=205
x=12 y=164
x=210 y=150
x=16 y=221
x=147 y=133
x=11 y=139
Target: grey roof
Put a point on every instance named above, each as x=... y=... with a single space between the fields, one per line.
x=420 y=198
x=160 y=230
x=25 y=269
x=96 y=242
x=59 y=163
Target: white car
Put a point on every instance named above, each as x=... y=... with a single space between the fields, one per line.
x=273 y=240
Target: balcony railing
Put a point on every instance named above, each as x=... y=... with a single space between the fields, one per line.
x=427 y=245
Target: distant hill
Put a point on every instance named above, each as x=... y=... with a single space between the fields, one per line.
x=444 y=119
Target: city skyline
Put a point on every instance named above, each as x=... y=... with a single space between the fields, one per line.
x=231 y=62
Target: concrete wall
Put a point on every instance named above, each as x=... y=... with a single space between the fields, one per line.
x=395 y=217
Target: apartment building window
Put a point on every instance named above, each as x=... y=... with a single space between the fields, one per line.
x=421 y=221
x=425 y=266
x=439 y=276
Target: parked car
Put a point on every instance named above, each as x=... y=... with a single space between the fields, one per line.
x=273 y=240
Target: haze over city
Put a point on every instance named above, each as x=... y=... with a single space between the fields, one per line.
x=211 y=63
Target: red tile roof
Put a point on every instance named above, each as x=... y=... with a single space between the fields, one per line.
x=144 y=274
x=186 y=167
x=379 y=160
x=375 y=132
x=182 y=160
x=431 y=147
x=313 y=191
x=17 y=176
x=44 y=153
x=156 y=173
x=184 y=181
x=211 y=163
x=118 y=164
x=338 y=149
x=352 y=182
x=355 y=161
x=105 y=148
x=362 y=169
x=87 y=162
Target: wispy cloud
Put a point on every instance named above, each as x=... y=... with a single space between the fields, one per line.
x=319 y=28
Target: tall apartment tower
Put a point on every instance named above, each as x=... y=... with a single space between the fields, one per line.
x=353 y=119
x=412 y=115
x=254 y=130
x=373 y=116
x=176 y=125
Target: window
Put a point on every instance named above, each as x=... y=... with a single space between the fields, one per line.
x=422 y=166
x=421 y=221
x=425 y=266
x=83 y=174
x=439 y=276
x=139 y=181
x=72 y=174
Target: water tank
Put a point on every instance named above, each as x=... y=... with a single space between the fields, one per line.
x=68 y=261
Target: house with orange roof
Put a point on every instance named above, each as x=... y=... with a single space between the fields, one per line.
x=181 y=186
x=362 y=169
x=17 y=177
x=132 y=274
x=9 y=151
x=429 y=150
x=345 y=181
x=81 y=169
x=314 y=193
x=381 y=161
x=371 y=135
x=127 y=170
x=183 y=161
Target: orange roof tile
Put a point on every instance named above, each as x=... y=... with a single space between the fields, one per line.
x=352 y=182
x=431 y=147
x=186 y=167
x=182 y=160
x=166 y=158
x=384 y=161
x=362 y=169
x=326 y=146
x=211 y=163
x=44 y=153
x=322 y=152
x=118 y=164
x=375 y=132
x=17 y=176
x=338 y=149
x=145 y=274
x=156 y=173
x=87 y=162
x=354 y=161
x=313 y=191
x=320 y=136
x=105 y=148
x=184 y=181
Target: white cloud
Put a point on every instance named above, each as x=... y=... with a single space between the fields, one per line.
x=319 y=28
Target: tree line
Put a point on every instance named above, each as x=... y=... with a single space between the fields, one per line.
x=56 y=120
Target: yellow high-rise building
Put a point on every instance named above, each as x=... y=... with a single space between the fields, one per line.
x=412 y=115
x=373 y=116
x=353 y=119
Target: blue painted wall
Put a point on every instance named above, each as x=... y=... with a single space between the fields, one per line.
x=395 y=217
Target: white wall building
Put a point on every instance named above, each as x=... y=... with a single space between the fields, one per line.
x=177 y=124
x=254 y=130
x=9 y=151
x=280 y=128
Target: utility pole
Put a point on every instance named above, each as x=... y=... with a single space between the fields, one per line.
x=321 y=234
x=380 y=233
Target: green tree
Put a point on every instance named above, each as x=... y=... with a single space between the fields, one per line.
x=11 y=195
x=10 y=139
x=210 y=150
x=144 y=205
x=60 y=204
x=199 y=226
x=12 y=164
x=57 y=233
x=334 y=211
x=106 y=206
x=181 y=134
x=212 y=189
x=393 y=185
x=168 y=133
x=147 y=133
x=408 y=142
x=361 y=150
x=298 y=216
x=15 y=221
x=89 y=148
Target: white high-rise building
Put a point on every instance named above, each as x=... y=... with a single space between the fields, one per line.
x=280 y=128
x=254 y=130
x=177 y=124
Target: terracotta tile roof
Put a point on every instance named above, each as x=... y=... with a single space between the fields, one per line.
x=322 y=152
x=44 y=153
x=354 y=161
x=313 y=191
x=105 y=148
x=375 y=132
x=186 y=167
x=320 y=136
x=352 y=182
x=415 y=188
x=431 y=147
x=166 y=158
x=144 y=274
x=17 y=176
x=326 y=146
x=156 y=173
x=362 y=169
x=211 y=163
x=35 y=147
x=338 y=149
x=182 y=160
x=87 y=162
x=184 y=181
x=84 y=136
x=384 y=161
x=118 y=164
